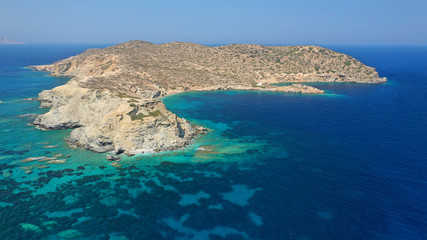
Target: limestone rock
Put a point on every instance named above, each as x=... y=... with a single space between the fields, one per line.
x=299 y=88
x=107 y=121
x=113 y=158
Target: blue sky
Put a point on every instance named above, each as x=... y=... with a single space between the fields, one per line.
x=376 y=22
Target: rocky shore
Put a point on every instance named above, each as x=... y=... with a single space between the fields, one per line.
x=112 y=101
x=105 y=121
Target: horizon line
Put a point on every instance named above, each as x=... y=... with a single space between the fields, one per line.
x=226 y=43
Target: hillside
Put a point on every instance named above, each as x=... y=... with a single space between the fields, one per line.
x=150 y=70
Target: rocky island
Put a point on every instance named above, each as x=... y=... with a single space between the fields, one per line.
x=112 y=101
x=6 y=40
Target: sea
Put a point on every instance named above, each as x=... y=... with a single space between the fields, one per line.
x=349 y=164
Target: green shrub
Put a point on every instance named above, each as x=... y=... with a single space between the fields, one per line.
x=141 y=116
x=124 y=95
x=155 y=113
x=138 y=116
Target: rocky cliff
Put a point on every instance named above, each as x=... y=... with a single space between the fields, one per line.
x=111 y=101
x=106 y=121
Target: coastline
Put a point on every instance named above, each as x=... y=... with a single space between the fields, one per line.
x=114 y=105
x=315 y=139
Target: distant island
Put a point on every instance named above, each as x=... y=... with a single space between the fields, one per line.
x=113 y=103
x=6 y=40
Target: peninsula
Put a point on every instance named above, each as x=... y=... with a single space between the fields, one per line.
x=112 y=100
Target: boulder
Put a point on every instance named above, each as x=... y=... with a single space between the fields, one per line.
x=113 y=158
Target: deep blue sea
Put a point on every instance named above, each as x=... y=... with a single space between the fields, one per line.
x=351 y=164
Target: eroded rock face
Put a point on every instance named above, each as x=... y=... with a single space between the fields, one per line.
x=106 y=121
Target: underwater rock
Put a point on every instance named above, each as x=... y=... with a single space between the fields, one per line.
x=115 y=164
x=49 y=224
x=42 y=166
x=28 y=115
x=5 y=204
x=202 y=130
x=240 y=195
x=113 y=158
x=47 y=159
x=6 y=173
x=257 y=220
x=57 y=161
x=30 y=227
x=70 y=234
x=31 y=159
x=50 y=146
x=117 y=236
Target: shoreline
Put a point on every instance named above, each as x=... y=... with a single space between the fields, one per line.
x=113 y=99
x=200 y=130
x=137 y=152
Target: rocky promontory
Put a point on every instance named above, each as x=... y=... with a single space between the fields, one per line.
x=105 y=121
x=112 y=101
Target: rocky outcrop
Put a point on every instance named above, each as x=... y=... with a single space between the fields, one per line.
x=112 y=100
x=293 y=88
x=299 y=88
x=106 y=121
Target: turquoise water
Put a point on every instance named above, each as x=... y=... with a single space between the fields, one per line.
x=346 y=165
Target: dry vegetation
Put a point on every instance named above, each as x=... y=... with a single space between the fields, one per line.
x=144 y=69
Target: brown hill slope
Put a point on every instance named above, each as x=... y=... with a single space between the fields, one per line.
x=151 y=70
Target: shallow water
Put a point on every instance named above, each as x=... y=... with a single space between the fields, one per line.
x=346 y=165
